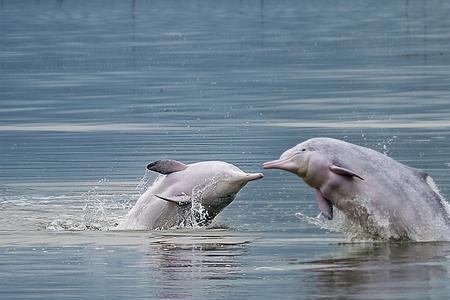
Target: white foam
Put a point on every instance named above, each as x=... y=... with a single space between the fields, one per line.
x=340 y=223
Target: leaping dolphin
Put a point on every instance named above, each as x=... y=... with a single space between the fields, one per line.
x=384 y=196
x=167 y=203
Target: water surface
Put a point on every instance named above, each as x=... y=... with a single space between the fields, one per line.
x=92 y=91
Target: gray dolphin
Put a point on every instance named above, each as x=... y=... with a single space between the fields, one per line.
x=383 y=196
x=211 y=185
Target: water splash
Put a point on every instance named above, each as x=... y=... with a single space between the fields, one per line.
x=384 y=146
x=104 y=206
x=378 y=225
x=197 y=216
x=340 y=223
x=146 y=181
x=102 y=209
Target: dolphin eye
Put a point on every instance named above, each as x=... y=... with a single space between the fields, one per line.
x=303 y=150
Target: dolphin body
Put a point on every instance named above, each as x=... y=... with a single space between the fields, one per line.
x=385 y=197
x=210 y=186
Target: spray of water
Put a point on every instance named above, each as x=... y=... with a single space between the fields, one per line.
x=197 y=215
x=102 y=208
x=378 y=226
x=340 y=223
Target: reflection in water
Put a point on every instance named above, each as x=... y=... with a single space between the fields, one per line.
x=97 y=89
x=178 y=263
x=401 y=270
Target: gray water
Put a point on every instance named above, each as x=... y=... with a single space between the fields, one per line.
x=92 y=91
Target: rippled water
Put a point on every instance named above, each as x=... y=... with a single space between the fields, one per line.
x=92 y=91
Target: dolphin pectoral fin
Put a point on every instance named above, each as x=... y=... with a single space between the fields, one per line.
x=166 y=166
x=344 y=172
x=325 y=206
x=180 y=199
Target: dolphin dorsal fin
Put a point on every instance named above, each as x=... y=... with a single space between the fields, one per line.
x=179 y=199
x=344 y=172
x=166 y=166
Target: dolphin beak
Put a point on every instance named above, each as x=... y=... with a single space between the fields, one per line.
x=276 y=164
x=253 y=176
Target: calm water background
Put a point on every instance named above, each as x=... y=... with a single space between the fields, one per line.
x=92 y=91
